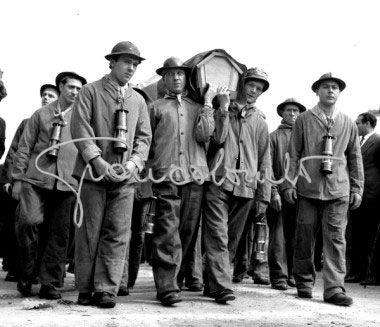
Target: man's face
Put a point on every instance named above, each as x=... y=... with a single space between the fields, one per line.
x=253 y=89
x=175 y=80
x=362 y=127
x=123 y=69
x=290 y=114
x=48 y=96
x=328 y=92
x=69 y=90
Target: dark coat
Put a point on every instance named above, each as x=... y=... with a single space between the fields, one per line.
x=371 y=163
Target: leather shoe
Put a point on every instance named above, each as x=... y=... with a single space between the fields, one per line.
x=304 y=293
x=224 y=296
x=170 y=298
x=291 y=282
x=123 y=291
x=340 y=299
x=237 y=279
x=104 y=300
x=85 y=298
x=196 y=287
x=49 y=292
x=353 y=279
x=281 y=286
x=261 y=281
x=25 y=288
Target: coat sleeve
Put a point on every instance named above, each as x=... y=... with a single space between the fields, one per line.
x=205 y=125
x=263 y=161
x=81 y=128
x=355 y=162
x=143 y=138
x=294 y=150
x=274 y=187
x=2 y=137
x=222 y=122
x=26 y=145
x=6 y=174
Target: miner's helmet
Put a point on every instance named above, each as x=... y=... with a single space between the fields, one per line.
x=328 y=77
x=48 y=86
x=125 y=47
x=62 y=75
x=294 y=101
x=259 y=75
x=172 y=63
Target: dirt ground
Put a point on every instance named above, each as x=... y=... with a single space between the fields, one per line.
x=255 y=305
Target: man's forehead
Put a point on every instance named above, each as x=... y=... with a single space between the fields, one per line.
x=73 y=80
x=255 y=82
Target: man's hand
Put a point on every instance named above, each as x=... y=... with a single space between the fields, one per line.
x=223 y=95
x=130 y=168
x=7 y=189
x=261 y=208
x=102 y=168
x=290 y=195
x=219 y=91
x=355 y=201
x=16 y=190
x=276 y=203
x=210 y=94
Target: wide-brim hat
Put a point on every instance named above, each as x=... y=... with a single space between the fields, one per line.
x=294 y=101
x=259 y=75
x=125 y=47
x=328 y=77
x=48 y=86
x=173 y=63
x=62 y=75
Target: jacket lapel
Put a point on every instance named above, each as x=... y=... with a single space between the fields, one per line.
x=368 y=144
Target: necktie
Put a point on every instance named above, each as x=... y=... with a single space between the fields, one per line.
x=361 y=140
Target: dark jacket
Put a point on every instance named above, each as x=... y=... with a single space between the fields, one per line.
x=371 y=162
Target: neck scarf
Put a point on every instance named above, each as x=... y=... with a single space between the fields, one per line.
x=178 y=96
x=61 y=114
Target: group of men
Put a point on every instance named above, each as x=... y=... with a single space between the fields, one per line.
x=214 y=167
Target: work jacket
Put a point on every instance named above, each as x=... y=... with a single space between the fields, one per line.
x=94 y=116
x=180 y=135
x=245 y=141
x=347 y=170
x=34 y=140
x=279 y=140
x=6 y=173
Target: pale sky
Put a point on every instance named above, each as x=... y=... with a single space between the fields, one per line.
x=294 y=41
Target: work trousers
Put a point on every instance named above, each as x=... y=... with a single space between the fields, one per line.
x=54 y=209
x=365 y=222
x=136 y=244
x=191 y=269
x=176 y=229
x=8 y=232
x=101 y=243
x=224 y=217
x=282 y=231
x=245 y=260
x=332 y=216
